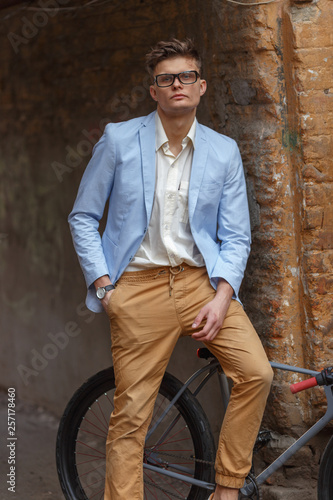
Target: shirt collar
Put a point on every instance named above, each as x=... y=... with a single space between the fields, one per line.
x=161 y=137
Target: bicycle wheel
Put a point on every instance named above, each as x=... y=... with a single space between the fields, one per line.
x=178 y=444
x=325 y=476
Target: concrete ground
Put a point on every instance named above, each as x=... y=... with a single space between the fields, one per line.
x=34 y=453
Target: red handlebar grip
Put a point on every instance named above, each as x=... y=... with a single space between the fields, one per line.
x=305 y=384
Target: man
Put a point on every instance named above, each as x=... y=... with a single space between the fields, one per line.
x=176 y=242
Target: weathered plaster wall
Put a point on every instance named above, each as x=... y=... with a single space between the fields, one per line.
x=64 y=74
x=73 y=72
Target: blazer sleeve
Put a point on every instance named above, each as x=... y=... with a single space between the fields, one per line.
x=233 y=226
x=93 y=193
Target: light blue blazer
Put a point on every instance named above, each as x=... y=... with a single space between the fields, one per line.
x=122 y=172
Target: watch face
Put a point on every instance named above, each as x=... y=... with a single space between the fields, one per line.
x=100 y=293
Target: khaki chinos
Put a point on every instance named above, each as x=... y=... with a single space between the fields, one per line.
x=149 y=311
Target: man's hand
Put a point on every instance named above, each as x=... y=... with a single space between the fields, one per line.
x=214 y=312
x=106 y=300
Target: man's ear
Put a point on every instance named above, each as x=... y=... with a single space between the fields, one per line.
x=153 y=93
x=203 y=87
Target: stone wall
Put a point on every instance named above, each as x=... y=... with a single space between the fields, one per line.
x=64 y=74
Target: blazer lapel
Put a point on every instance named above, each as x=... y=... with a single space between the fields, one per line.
x=198 y=168
x=148 y=157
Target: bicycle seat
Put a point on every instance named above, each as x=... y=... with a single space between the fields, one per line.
x=205 y=353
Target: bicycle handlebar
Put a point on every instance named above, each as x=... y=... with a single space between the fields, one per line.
x=305 y=384
x=325 y=377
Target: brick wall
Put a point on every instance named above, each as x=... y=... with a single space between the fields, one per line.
x=65 y=74
x=275 y=62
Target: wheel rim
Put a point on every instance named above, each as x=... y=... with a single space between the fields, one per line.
x=174 y=451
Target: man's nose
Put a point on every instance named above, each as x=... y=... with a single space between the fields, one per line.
x=177 y=82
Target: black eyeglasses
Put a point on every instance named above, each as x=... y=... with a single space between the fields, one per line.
x=167 y=79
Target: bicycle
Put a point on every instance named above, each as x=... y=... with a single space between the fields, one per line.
x=179 y=450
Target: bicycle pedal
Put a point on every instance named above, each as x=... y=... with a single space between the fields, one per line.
x=251 y=489
x=263 y=438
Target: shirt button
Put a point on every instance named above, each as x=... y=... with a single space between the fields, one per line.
x=166 y=226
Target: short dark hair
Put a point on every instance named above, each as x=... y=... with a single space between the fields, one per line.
x=167 y=50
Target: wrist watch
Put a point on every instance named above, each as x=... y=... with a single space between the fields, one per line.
x=101 y=291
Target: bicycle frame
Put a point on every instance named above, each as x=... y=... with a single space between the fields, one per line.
x=212 y=368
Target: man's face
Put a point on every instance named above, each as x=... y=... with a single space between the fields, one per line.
x=179 y=98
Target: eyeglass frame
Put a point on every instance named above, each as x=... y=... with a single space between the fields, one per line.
x=176 y=75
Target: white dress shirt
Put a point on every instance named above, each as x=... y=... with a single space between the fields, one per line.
x=169 y=241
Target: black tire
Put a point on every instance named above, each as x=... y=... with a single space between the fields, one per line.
x=325 y=476
x=80 y=448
